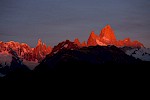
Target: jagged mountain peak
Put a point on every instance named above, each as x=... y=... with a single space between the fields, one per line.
x=39 y=42
x=92 y=39
x=93 y=35
x=76 y=41
x=80 y=44
x=108 y=26
x=137 y=44
x=65 y=45
x=83 y=57
x=24 y=51
x=107 y=35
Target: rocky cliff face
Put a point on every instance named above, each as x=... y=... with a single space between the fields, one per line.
x=76 y=41
x=92 y=39
x=24 y=51
x=73 y=58
x=41 y=50
x=107 y=37
x=65 y=45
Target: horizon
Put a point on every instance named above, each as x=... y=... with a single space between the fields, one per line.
x=54 y=21
x=72 y=40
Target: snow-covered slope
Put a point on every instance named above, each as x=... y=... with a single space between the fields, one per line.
x=9 y=61
x=30 y=64
x=142 y=53
x=24 y=51
x=100 y=43
x=5 y=59
x=15 y=54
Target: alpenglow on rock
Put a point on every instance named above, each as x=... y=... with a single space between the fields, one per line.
x=92 y=39
x=24 y=51
x=107 y=37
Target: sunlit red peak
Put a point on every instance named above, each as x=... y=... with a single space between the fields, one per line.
x=108 y=26
x=65 y=45
x=137 y=44
x=76 y=41
x=92 y=39
x=107 y=34
x=93 y=35
x=80 y=44
x=107 y=37
x=39 y=42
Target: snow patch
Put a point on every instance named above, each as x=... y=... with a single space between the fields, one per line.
x=100 y=43
x=25 y=51
x=142 y=53
x=66 y=45
x=106 y=39
x=30 y=64
x=5 y=59
x=56 y=51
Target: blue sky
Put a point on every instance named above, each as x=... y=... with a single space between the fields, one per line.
x=56 y=20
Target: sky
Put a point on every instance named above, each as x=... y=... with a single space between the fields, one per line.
x=54 y=21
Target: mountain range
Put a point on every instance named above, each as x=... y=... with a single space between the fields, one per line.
x=106 y=37
x=99 y=50
x=25 y=52
x=69 y=52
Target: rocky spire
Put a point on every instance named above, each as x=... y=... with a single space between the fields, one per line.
x=92 y=39
x=76 y=41
x=107 y=35
x=39 y=42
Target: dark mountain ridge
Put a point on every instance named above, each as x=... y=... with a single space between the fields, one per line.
x=83 y=60
x=67 y=60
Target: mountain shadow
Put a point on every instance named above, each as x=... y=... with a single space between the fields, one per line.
x=85 y=60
